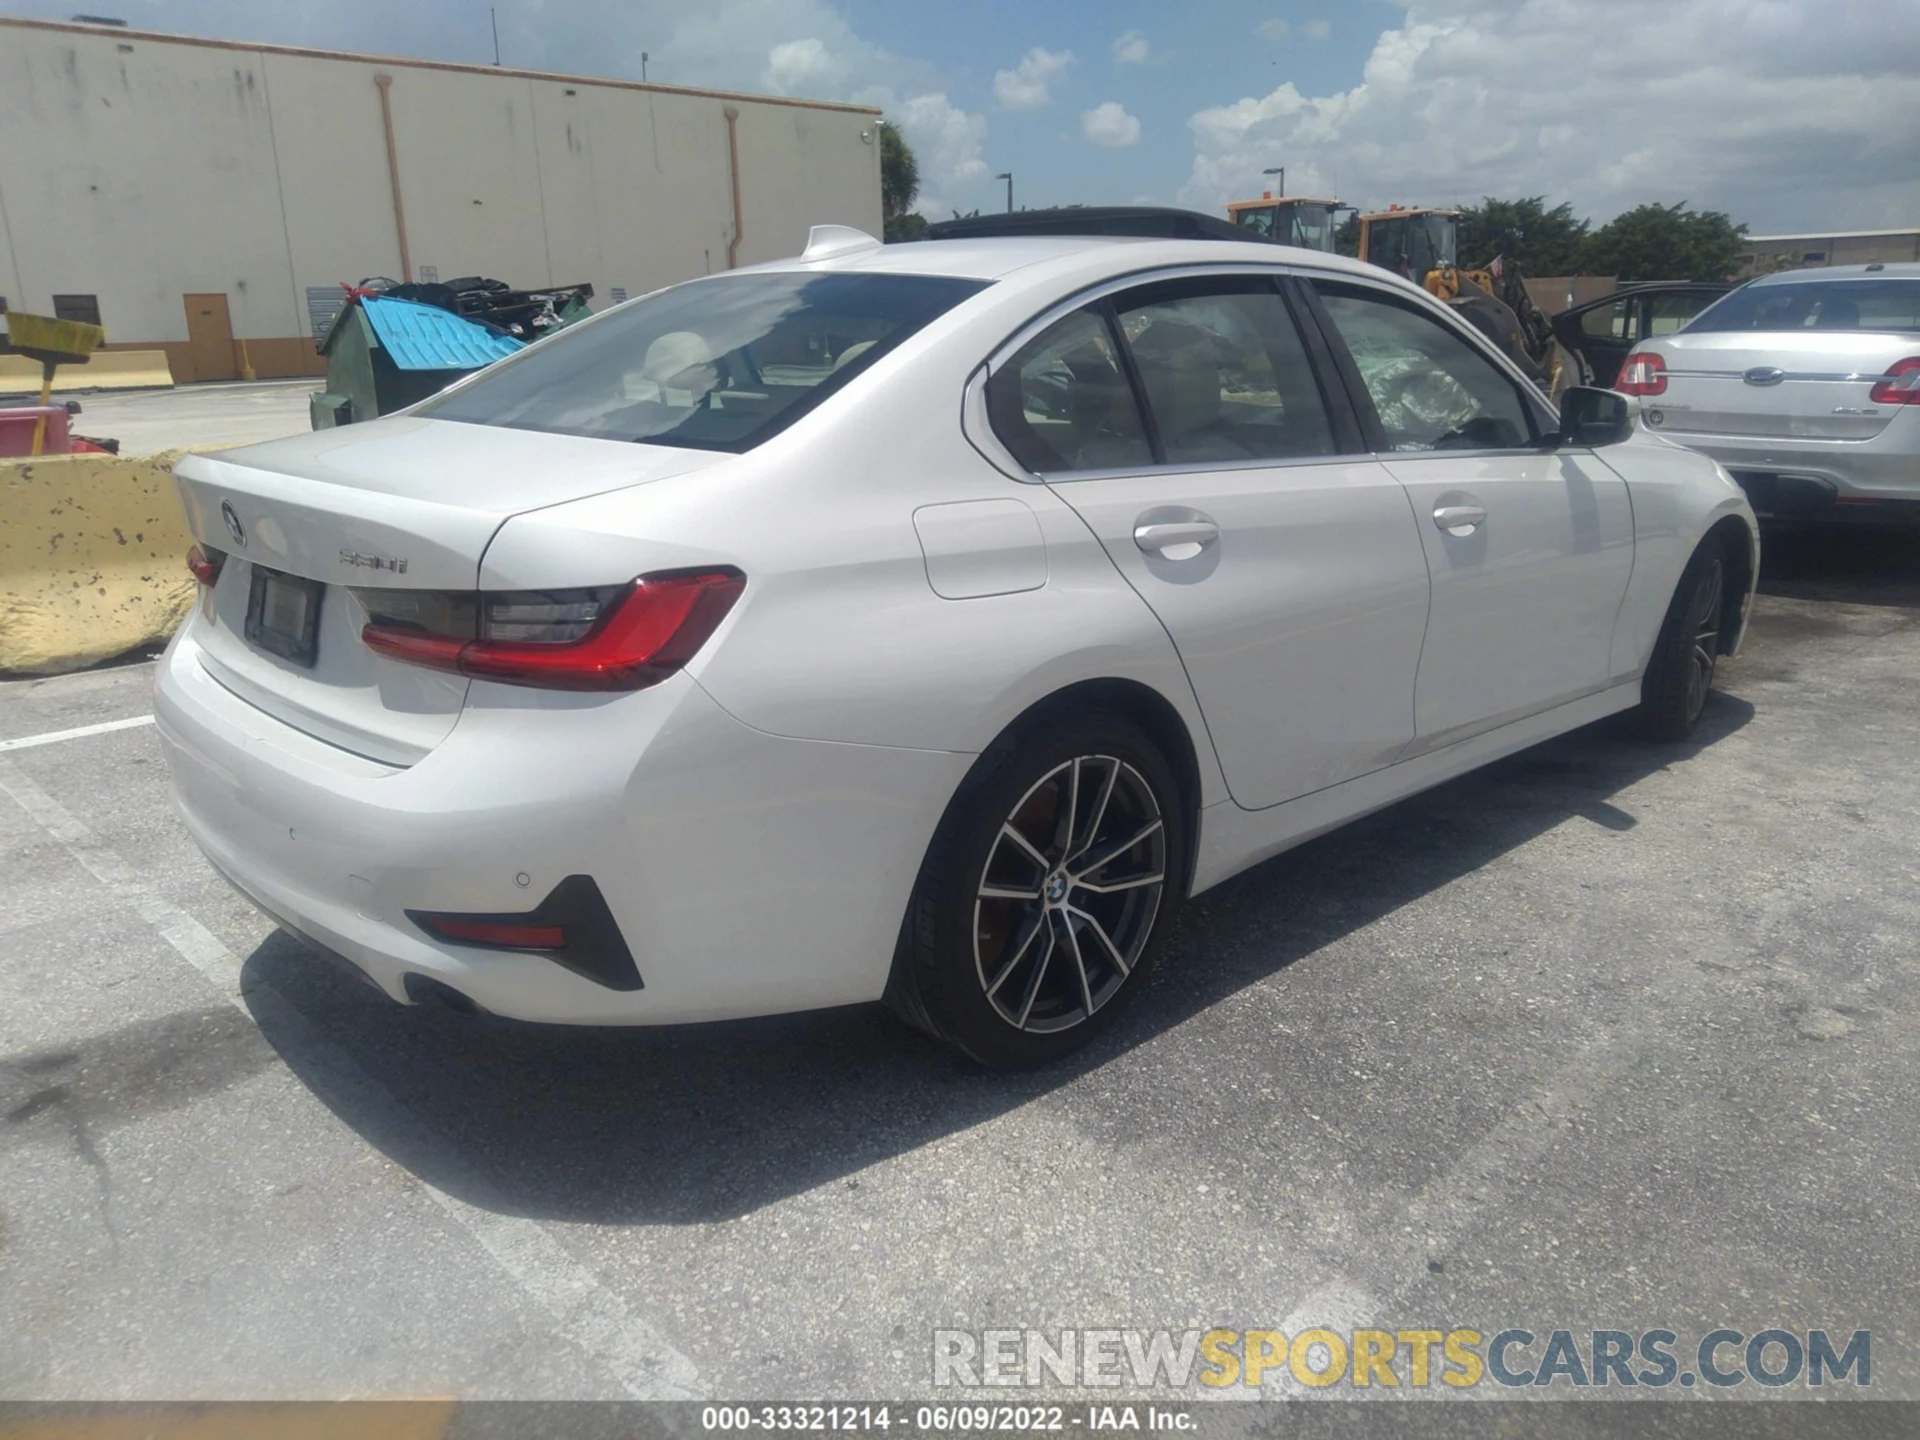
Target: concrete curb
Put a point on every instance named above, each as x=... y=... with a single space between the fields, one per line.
x=92 y=559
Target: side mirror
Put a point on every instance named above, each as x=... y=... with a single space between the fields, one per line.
x=1590 y=417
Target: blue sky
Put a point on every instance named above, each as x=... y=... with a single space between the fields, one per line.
x=1196 y=55
x=1789 y=114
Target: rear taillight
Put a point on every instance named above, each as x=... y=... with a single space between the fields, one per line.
x=1644 y=373
x=623 y=637
x=205 y=564
x=1900 y=385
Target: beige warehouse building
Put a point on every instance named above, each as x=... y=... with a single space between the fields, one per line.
x=210 y=197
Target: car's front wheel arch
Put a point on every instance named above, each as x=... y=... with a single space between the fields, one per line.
x=1734 y=537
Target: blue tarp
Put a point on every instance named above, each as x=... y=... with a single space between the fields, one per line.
x=425 y=337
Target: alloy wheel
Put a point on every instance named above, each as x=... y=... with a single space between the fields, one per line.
x=1704 y=616
x=1069 y=893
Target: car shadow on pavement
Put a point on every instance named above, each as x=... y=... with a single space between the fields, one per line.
x=1851 y=565
x=704 y=1123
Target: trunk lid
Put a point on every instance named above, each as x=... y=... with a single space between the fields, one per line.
x=404 y=503
x=1777 y=384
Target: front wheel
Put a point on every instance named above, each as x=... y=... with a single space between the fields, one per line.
x=1046 y=894
x=1673 y=693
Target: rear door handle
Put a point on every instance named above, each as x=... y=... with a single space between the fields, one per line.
x=1176 y=535
x=1460 y=519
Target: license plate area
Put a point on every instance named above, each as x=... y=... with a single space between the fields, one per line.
x=283 y=615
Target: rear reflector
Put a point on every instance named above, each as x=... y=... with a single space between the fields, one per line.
x=622 y=638
x=571 y=927
x=499 y=935
x=205 y=564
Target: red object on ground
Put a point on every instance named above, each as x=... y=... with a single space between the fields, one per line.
x=16 y=430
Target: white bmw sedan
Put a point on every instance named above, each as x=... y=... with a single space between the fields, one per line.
x=919 y=623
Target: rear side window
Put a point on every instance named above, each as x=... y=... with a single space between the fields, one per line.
x=1892 y=304
x=1430 y=388
x=1611 y=322
x=718 y=364
x=1063 y=401
x=1225 y=373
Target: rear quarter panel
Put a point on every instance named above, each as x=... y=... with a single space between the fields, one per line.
x=840 y=634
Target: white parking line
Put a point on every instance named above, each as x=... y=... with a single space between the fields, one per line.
x=79 y=732
x=644 y=1364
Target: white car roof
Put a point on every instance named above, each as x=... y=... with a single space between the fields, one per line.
x=1087 y=257
x=1889 y=270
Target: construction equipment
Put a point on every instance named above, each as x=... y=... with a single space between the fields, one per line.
x=53 y=343
x=1300 y=220
x=1422 y=243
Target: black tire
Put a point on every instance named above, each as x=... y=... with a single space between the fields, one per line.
x=1673 y=692
x=963 y=973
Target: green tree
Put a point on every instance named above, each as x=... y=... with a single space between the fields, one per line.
x=899 y=186
x=1665 y=242
x=1346 y=239
x=1540 y=241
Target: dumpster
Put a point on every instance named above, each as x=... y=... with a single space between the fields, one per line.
x=393 y=345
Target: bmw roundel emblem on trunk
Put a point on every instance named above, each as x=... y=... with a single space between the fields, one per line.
x=1765 y=375
x=234 y=527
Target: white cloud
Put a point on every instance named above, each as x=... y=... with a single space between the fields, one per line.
x=1273 y=29
x=804 y=65
x=1788 y=114
x=1131 y=49
x=946 y=141
x=1318 y=29
x=1027 y=85
x=1110 y=126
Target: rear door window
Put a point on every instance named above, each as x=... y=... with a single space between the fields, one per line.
x=718 y=364
x=1224 y=371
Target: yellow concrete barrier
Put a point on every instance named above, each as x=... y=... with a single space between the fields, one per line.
x=92 y=559
x=107 y=370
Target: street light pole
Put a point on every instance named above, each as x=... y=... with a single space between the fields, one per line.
x=1281 y=171
x=1008 y=177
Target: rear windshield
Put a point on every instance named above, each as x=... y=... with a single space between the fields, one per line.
x=1892 y=304
x=717 y=364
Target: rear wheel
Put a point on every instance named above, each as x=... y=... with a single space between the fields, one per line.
x=1046 y=894
x=1673 y=693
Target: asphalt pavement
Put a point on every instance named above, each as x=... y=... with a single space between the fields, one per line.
x=196 y=417
x=1606 y=1035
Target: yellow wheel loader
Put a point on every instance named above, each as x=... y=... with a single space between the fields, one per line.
x=1422 y=244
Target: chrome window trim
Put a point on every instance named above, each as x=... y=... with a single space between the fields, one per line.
x=977 y=426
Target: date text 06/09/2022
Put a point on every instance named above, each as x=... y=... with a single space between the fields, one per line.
x=946 y=1419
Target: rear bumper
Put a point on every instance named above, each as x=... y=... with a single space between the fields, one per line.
x=1790 y=496
x=748 y=874
x=1805 y=479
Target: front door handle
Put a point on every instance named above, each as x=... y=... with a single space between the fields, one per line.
x=1460 y=519
x=1186 y=537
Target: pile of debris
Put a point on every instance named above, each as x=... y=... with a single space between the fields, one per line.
x=394 y=344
